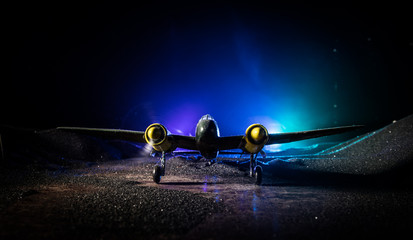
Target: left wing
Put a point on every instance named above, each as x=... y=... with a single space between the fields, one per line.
x=186 y=142
x=109 y=134
x=179 y=141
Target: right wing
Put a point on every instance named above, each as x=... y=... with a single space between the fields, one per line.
x=233 y=142
x=277 y=138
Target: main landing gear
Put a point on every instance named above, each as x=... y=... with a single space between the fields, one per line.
x=255 y=170
x=159 y=170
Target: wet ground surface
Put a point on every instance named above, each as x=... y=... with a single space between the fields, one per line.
x=119 y=200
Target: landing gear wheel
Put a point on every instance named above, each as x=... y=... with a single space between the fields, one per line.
x=258 y=175
x=157 y=172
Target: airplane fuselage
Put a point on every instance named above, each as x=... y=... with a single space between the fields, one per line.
x=207 y=137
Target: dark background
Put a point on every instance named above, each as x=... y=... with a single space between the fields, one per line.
x=290 y=67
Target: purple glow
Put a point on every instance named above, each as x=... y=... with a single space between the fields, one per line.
x=182 y=118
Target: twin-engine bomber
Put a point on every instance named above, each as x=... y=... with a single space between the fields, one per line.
x=207 y=141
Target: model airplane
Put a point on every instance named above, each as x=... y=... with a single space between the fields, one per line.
x=208 y=141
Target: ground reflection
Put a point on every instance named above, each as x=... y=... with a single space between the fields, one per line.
x=247 y=202
x=210 y=185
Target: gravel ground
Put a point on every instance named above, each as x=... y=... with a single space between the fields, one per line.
x=94 y=203
x=118 y=200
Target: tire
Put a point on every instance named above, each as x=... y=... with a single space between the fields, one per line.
x=157 y=172
x=258 y=175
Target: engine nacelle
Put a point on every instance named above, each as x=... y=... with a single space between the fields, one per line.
x=255 y=138
x=156 y=135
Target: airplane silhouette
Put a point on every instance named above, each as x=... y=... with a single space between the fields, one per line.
x=208 y=141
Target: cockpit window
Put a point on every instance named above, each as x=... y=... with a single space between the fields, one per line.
x=207 y=117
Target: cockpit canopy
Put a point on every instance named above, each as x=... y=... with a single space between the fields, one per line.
x=207 y=117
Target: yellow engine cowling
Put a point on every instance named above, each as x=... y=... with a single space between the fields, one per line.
x=255 y=138
x=156 y=135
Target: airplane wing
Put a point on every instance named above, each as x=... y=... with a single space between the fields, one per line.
x=186 y=142
x=108 y=134
x=232 y=142
x=225 y=143
x=277 y=138
x=180 y=141
x=228 y=143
